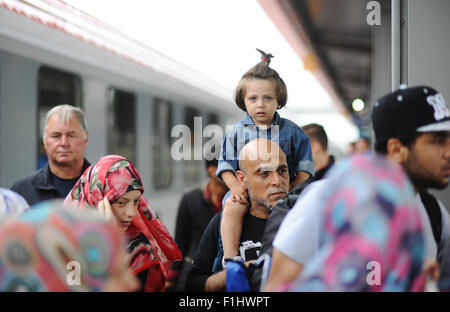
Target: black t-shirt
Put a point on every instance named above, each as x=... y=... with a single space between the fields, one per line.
x=249 y=246
x=63 y=186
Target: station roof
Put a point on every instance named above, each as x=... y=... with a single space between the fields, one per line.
x=334 y=40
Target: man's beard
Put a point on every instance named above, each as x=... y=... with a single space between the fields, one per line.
x=259 y=201
x=419 y=178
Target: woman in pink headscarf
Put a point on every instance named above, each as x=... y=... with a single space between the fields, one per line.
x=114 y=186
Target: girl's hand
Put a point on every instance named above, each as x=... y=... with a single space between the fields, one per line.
x=239 y=194
x=104 y=209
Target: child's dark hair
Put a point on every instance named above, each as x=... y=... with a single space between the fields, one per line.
x=261 y=71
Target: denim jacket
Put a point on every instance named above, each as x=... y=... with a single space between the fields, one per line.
x=291 y=138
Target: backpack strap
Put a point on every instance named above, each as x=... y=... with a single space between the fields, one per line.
x=434 y=214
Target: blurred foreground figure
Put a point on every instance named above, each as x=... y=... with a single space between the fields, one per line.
x=362 y=145
x=11 y=205
x=51 y=248
x=114 y=186
x=371 y=233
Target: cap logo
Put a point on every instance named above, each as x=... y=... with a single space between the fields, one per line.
x=440 y=108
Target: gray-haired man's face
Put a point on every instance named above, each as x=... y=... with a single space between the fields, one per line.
x=65 y=142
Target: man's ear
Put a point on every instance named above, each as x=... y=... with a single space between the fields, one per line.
x=397 y=151
x=87 y=136
x=44 y=144
x=240 y=176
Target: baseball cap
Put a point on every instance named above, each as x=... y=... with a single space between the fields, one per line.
x=409 y=110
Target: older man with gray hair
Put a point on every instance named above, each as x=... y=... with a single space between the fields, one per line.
x=65 y=139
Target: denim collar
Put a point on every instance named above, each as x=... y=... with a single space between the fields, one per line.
x=249 y=121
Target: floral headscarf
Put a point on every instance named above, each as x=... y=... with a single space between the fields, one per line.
x=151 y=247
x=37 y=250
x=11 y=205
x=372 y=237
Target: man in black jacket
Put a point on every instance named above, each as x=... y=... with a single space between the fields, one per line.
x=65 y=139
x=264 y=173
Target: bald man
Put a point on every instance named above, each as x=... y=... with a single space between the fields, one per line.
x=264 y=173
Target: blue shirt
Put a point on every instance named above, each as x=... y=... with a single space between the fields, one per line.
x=291 y=138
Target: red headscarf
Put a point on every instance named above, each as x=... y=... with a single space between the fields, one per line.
x=151 y=247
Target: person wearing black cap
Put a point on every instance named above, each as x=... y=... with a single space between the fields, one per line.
x=412 y=128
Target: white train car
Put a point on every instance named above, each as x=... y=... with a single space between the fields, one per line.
x=51 y=53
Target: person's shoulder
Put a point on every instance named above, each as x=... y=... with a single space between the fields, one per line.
x=233 y=129
x=192 y=193
x=311 y=194
x=213 y=227
x=284 y=122
x=191 y=198
x=444 y=212
x=28 y=179
x=445 y=218
x=212 y=230
x=216 y=219
x=292 y=126
x=239 y=123
x=442 y=206
x=445 y=223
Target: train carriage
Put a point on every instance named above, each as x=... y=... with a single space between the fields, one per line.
x=52 y=53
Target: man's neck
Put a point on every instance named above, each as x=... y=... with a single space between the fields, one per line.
x=259 y=211
x=66 y=172
x=322 y=161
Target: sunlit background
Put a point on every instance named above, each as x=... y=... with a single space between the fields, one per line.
x=219 y=39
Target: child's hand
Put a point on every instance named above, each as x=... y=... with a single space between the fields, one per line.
x=239 y=194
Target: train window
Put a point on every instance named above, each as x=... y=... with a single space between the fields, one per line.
x=55 y=87
x=192 y=166
x=122 y=124
x=162 y=158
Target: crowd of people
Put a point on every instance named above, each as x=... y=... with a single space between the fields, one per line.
x=277 y=213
